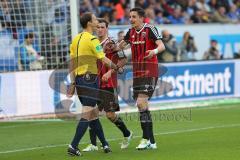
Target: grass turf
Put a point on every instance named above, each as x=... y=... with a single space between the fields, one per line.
x=194 y=134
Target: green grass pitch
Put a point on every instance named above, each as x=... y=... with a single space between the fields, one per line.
x=210 y=133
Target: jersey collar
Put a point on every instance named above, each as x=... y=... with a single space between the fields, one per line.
x=141 y=28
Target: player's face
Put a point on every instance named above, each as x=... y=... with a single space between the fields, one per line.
x=101 y=30
x=135 y=20
x=94 y=22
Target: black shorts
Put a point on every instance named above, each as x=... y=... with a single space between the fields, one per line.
x=108 y=100
x=87 y=89
x=144 y=85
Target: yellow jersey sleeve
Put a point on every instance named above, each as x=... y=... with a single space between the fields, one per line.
x=97 y=48
x=73 y=46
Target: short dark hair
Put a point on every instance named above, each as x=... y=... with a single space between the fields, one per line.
x=85 y=18
x=120 y=32
x=29 y=35
x=214 y=41
x=139 y=10
x=102 y=20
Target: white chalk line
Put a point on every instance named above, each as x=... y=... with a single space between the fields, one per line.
x=116 y=139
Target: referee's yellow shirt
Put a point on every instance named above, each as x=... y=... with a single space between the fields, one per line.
x=88 y=49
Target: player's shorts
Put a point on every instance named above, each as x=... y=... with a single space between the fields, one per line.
x=87 y=89
x=144 y=85
x=108 y=100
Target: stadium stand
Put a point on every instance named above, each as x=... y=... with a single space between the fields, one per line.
x=50 y=21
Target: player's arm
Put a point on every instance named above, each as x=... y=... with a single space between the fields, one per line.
x=122 y=60
x=120 y=64
x=110 y=64
x=157 y=38
x=98 y=50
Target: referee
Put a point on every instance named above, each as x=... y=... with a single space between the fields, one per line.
x=85 y=50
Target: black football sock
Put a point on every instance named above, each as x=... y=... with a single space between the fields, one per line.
x=144 y=124
x=150 y=128
x=93 y=137
x=97 y=128
x=80 y=131
x=121 y=125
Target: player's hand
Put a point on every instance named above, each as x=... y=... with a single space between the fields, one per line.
x=106 y=76
x=150 y=54
x=110 y=47
x=120 y=70
x=70 y=90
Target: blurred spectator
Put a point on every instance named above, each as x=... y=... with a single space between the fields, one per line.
x=199 y=17
x=168 y=10
x=176 y=17
x=191 y=7
x=150 y=16
x=162 y=11
x=105 y=7
x=202 y=5
x=14 y=15
x=51 y=48
x=141 y=3
x=234 y=14
x=119 y=7
x=120 y=36
x=187 y=47
x=5 y=12
x=125 y=19
x=95 y=7
x=159 y=19
x=29 y=58
x=213 y=5
x=220 y=15
x=85 y=6
x=212 y=53
x=170 y=53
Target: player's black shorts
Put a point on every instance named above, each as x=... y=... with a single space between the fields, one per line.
x=108 y=100
x=144 y=85
x=87 y=89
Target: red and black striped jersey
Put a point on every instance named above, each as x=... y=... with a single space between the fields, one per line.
x=102 y=69
x=141 y=41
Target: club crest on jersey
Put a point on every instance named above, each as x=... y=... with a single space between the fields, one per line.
x=133 y=36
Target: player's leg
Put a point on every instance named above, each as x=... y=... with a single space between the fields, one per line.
x=127 y=134
x=115 y=119
x=110 y=105
x=144 y=116
x=143 y=90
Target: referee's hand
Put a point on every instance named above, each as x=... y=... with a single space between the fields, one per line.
x=70 y=90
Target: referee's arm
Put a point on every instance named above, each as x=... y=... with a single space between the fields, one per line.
x=100 y=54
x=72 y=64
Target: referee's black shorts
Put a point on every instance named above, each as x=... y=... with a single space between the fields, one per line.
x=87 y=87
x=144 y=85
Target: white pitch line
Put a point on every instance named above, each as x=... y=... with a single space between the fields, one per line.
x=116 y=139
